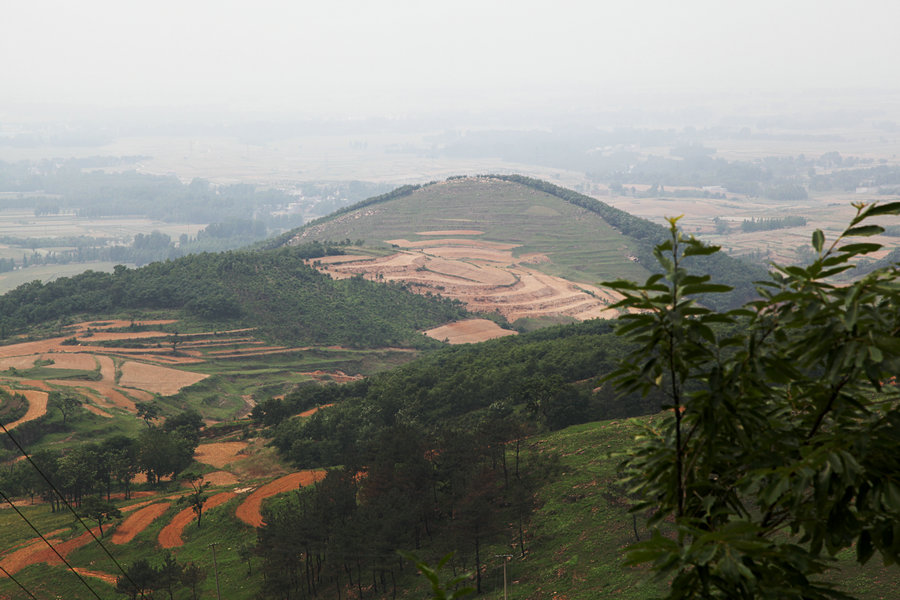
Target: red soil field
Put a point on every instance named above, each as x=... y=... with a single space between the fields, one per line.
x=469 y=331
x=108 y=578
x=137 y=522
x=248 y=510
x=37 y=405
x=218 y=478
x=485 y=276
x=154 y=378
x=452 y=232
x=219 y=454
x=170 y=536
x=310 y=412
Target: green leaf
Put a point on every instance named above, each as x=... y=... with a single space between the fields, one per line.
x=699 y=250
x=818 y=240
x=864 y=548
x=891 y=208
x=860 y=248
x=864 y=231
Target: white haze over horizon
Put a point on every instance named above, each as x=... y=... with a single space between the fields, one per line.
x=358 y=59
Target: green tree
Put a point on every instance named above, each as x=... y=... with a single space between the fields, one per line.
x=197 y=498
x=147 y=411
x=67 y=405
x=94 y=508
x=778 y=448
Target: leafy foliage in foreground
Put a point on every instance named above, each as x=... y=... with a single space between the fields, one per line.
x=779 y=449
x=275 y=291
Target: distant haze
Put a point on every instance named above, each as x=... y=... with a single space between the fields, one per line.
x=342 y=58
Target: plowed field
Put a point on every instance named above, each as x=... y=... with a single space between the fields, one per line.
x=153 y=378
x=137 y=522
x=170 y=536
x=219 y=454
x=484 y=275
x=37 y=406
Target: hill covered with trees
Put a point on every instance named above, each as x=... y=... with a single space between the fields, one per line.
x=274 y=291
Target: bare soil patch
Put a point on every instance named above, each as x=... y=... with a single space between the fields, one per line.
x=452 y=232
x=469 y=331
x=310 y=412
x=37 y=406
x=84 y=362
x=336 y=376
x=219 y=454
x=485 y=276
x=23 y=557
x=154 y=378
x=118 y=323
x=170 y=536
x=248 y=510
x=97 y=411
x=107 y=577
x=138 y=521
x=221 y=478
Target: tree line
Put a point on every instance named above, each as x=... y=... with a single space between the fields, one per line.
x=275 y=291
x=99 y=469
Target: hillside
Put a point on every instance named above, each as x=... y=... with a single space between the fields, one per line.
x=273 y=291
x=510 y=244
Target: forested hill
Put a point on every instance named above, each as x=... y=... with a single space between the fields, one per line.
x=275 y=291
x=586 y=240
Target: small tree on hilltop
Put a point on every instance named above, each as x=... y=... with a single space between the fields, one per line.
x=779 y=446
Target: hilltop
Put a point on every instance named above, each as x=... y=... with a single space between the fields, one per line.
x=510 y=244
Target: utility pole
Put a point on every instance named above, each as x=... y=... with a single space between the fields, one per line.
x=216 y=569
x=505 y=558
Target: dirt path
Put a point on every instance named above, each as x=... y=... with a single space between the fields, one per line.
x=311 y=411
x=137 y=522
x=170 y=536
x=37 y=405
x=23 y=557
x=107 y=577
x=248 y=510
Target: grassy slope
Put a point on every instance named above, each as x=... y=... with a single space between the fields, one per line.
x=574 y=548
x=580 y=244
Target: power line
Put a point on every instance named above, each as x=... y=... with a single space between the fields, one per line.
x=72 y=510
x=46 y=541
x=16 y=581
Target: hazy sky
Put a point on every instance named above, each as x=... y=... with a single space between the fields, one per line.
x=361 y=58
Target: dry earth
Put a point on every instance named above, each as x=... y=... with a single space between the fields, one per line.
x=219 y=454
x=170 y=536
x=138 y=521
x=469 y=331
x=37 y=405
x=484 y=275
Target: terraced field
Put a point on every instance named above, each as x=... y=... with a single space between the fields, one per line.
x=495 y=245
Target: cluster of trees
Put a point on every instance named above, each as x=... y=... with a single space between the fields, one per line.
x=272 y=290
x=455 y=490
x=142 y=578
x=770 y=223
x=91 y=469
x=849 y=179
x=546 y=377
x=65 y=185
